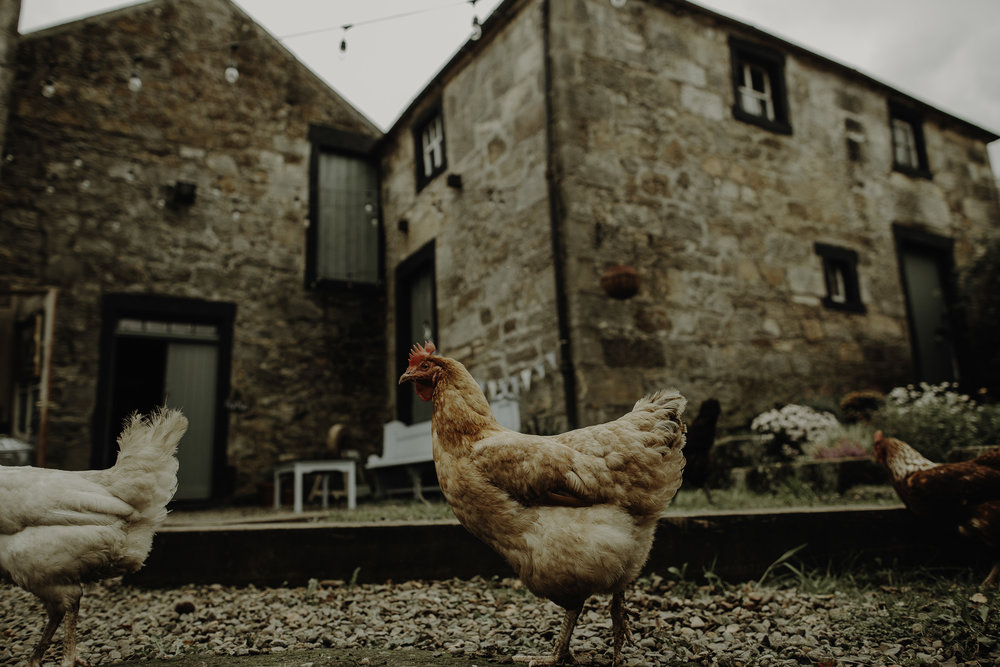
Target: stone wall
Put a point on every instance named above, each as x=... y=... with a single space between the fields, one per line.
x=720 y=216
x=10 y=13
x=86 y=208
x=493 y=254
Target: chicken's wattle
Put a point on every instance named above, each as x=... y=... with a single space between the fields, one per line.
x=424 y=391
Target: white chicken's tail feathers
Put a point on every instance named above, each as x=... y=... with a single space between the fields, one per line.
x=660 y=415
x=145 y=474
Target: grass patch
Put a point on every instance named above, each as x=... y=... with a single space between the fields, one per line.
x=793 y=493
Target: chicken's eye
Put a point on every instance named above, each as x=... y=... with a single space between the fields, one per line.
x=426 y=364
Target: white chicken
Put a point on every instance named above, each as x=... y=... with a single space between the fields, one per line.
x=60 y=528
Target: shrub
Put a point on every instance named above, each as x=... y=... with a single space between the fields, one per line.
x=933 y=419
x=844 y=441
x=980 y=301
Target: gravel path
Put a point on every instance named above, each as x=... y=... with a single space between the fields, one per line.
x=486 y=622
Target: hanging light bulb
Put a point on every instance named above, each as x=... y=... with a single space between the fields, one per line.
x=48 y=88
x=232 y=73
x=618 y=4
x=135 y=81
x=343 y=41
x=477 y=29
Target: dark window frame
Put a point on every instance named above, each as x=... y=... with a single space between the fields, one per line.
x=423 y=121
x=351 y=144
x=423 y=259
x=912 y=117
x=118 y=306
x=773 y=63
x=842 y=261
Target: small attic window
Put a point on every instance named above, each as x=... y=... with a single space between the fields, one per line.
x=840 y=273
x=759 y=86
x=909 y=153
x=429 y=146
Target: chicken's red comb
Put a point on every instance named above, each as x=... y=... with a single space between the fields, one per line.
x=421 y=352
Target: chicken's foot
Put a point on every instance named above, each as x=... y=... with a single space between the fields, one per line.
x=561 y=655
x=619 y=625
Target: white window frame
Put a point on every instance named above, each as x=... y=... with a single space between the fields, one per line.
x=904 y=144
x=754 y=101
x=432 y=142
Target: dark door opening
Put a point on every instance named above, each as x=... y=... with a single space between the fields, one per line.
x=175 y=352
x=416 y=322
x=926 y=266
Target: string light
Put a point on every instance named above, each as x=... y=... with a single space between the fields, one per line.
x=477 y=29
x=232 y=74
x=343 y=41
x=134 y=81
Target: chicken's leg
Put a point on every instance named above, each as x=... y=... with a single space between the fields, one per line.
x=55 y=617
x=561 y=654
x=619 y=625
x=991 y=579
x=60 y=602
x=69 y=631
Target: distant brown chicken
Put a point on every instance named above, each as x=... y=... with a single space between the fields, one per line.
x=964 y=494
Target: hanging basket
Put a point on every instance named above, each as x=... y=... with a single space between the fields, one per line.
x=620 y=282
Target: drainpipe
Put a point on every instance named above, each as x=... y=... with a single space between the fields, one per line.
x=553 y=175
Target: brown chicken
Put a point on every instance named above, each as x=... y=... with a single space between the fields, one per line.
x=964 y=494
x=59 y=528
x=574 y=514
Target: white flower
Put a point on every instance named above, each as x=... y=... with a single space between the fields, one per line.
x=797 y=423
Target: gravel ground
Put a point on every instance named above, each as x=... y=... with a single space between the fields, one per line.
x=486 y=622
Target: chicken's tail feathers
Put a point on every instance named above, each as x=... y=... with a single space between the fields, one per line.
x=145 y=474
x=663 y=410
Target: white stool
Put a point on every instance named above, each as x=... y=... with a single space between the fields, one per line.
x=300 y=468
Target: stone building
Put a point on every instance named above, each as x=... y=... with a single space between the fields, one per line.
x=9 y=13
x=793 y=224
x=256 y=248
x=166 y=201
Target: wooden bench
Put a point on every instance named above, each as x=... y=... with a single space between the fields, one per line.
x=410 y=447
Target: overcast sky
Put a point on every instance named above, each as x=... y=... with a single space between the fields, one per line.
x=944 y=53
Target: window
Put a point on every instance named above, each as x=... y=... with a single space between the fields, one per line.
x=759 y=86
x=429 y=147
x=343 y=241
x=840 y=273
x=909 y=155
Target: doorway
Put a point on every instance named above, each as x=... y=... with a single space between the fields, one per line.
x=926 y=268
x=172 y=352
x=416 y=322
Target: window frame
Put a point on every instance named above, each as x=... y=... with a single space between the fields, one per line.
x=432 y=114
x=914 y=120
x=842 y=262
x=349 y=144
x=746 y=57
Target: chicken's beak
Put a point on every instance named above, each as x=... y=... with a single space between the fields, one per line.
x=405 y=377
